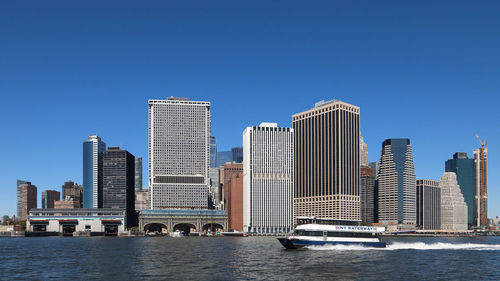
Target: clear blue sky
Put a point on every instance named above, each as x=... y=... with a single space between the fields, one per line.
x=426 y=70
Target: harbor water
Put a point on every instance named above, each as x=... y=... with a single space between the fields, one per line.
x=245 y=258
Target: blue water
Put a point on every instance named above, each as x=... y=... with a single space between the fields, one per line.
x=237 y=258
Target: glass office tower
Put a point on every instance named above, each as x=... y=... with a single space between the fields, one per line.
x=93 y=149
x=463 y=167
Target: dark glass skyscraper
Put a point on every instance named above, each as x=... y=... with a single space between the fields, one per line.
x=138 y=173
x=93 y=148
x=213 y=152
x=463 y=167
x=237 y=154
x=118 y=191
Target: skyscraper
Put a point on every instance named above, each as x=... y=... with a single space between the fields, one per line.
x=463 y=167
x=374 y=166
x=396 y=183
x=268 y=179
x=49 y=197
x=428 y=204
x=327 y=161
x=215 y=187
x=237 y=154
x=28 y=199
x=453 y=207
x=20 y=197
x=235 y=207
x=363 y=152
x=367 y=193
x=93 y=148
x=179 y=151
x=213 y=152
x=481 y=186
x=74 y=192
x=138 y=173
x=118 y=190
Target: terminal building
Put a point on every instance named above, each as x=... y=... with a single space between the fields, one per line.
x=74 y=222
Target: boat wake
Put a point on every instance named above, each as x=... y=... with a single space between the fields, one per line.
x=412 y=246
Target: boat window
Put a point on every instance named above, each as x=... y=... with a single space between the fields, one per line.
x=351 y=234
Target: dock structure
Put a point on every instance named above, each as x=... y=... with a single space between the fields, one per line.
x=186 y=220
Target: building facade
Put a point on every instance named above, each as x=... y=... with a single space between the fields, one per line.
x=463 y=167
x=49 y=197
x=67 y=203
x=138 y=173
x=327 y=179
x=93 y=148
x=179 y=153
x=141 y=200
x=397 y=183
x=20 y=197
x=235 y=207
x=481 y=187
x=428 y=205
x=363 y=152
x=453 y=207
x=213 y=152
x=215 y=188
x=367 y=193
x=73 y=191
x=268 y=179
x=226 y=173
x=118 y=190
x=28 y=199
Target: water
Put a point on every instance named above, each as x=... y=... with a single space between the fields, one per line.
x=236 y=258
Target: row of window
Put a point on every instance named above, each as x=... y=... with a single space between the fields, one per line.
x=334 y=234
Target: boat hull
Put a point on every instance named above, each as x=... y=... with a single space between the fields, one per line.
x=296 y=243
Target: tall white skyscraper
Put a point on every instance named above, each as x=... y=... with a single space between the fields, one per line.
x=453 y=207
x=93 y=149
x=268 y=179
x=179 y=153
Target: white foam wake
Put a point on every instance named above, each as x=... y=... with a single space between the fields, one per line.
x=412 y=246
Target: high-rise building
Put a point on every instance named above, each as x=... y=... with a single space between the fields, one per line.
x=179 y=153
x=215 y=188
x=28 y=199
x=138 y=173
x=374 y=166
x=367 y=193
x=428 y=204
x=93 y=149
x=363 y=152
x=463 y=167
x=213 y=152
x=396 y=183
x=74 y=192
x=66 y=203
x=235 y=207
x=49 y=197
x=327 y=161
x=237 y=154
x=118 y=189
x=223 y=157
x=481 y=186
x=268 y=179
x=20 y=197
x=226 y=173
x=453 y=207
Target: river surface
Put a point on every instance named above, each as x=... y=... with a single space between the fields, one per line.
x=238 y=258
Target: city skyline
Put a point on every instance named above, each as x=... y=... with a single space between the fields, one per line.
x=391 y=79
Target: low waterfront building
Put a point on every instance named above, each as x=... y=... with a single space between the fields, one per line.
x=66 y=222
x=428 y=205
x=453 y=207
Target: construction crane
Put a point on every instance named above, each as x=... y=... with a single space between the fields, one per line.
x=482 y=180
x=483 y=143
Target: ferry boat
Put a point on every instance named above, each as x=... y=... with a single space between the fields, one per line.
x=312 y=231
